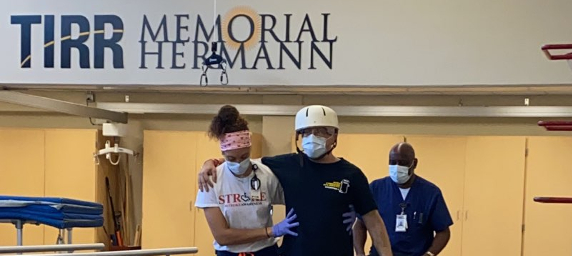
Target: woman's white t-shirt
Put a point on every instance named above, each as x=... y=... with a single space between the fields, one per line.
x=233 y=196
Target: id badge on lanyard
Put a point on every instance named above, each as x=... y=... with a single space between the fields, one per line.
x=401 y=220
x=255 y=185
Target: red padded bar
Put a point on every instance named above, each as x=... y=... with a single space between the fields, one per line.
x=546 y=49
x=554 y=123
x=556 y=46
x=558 y=128
x=553 y=200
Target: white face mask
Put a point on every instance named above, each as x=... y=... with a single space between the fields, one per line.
x=314 y=146
x=238 y=168
x=399 y=174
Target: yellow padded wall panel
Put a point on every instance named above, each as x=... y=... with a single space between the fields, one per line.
x=70 y=172
x=256 y=149
x=548 y=227
x=494 y=190
x=169 y=183
x=442 y=162
x=369 y=152
x=206 y=149
x=22 y=172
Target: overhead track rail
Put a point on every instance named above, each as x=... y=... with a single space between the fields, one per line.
x=61 y=106
x=358 y=111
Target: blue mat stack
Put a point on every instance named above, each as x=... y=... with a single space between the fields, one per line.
x=60 y=213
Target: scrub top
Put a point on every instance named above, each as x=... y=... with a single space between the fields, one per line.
x=425 y=209
x=320 y=194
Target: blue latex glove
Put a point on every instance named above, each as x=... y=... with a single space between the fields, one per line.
x=283 y=228
x=350 y=219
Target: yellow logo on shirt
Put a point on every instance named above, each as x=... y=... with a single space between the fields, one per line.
x=341 y=186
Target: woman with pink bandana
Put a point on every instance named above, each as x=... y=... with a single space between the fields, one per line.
x=238 y=208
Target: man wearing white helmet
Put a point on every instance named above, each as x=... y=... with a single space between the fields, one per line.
x=320 y=187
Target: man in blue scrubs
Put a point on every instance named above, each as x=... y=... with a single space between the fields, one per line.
x=413 y=209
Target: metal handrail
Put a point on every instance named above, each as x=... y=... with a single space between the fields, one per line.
x=51 y=248
x=144 y=252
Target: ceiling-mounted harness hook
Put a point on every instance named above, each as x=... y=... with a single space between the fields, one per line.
x=115 y=149
x=224 y=75
x=204 y=76
x=214 y=59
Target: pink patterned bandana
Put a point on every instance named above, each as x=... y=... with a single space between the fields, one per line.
x=235 y=140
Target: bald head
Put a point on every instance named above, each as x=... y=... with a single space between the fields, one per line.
x=402 y=154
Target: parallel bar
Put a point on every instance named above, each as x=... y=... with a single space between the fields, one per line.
x=147 y=252
x=379 y=111
x=51 y=248
x=558 y=128
x=60 y=106
x=556 y=46
x=555 y=123
x=546 y=49
x=554 y=200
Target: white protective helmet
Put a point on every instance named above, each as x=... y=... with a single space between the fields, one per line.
x=314 y=116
